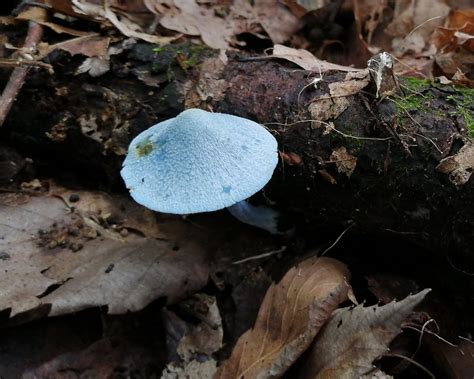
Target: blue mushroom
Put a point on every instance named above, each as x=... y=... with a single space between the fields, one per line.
x=201 y=162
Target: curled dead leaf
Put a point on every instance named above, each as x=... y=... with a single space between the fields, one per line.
x=291 y=314
x=354 y=337
x=307 y=60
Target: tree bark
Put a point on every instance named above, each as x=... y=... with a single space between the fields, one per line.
x=396 y=163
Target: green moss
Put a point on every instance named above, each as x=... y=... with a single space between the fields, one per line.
x=418 y=97
x=145 y=148
x=463 y=99
x=415 y=84
x=469 y=120
x=415 y=97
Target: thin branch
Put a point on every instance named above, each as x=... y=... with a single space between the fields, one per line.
x=18 y=76
x=260 y=256
x=337 y=240
x=413 y=362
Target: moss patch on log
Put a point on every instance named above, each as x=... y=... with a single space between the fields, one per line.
x=464 y=101
x=420 y=96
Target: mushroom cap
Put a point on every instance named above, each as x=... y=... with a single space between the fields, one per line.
x=199 y=162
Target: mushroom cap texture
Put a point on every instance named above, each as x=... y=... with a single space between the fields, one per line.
x=199 y=162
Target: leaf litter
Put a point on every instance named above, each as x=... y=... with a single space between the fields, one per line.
x=291 y=314
x=354 y=337
x=68 y=259
x=66 y=251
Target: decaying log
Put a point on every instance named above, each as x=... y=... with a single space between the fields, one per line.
x=394 y=162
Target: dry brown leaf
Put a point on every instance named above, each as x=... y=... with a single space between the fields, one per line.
x=413 y=24
x=131 y=29
x=458 y=31
x=354 y=337
x=307 y=60
x=369 y=20
x=67 y=259
x=291 y=314
x=455 y=43
x=216 y=31
x=353 y=83
x=277 y=20
x=345 y=162
x=40 y=16
x=459 y=166
x=324 y=109
x=90 y=46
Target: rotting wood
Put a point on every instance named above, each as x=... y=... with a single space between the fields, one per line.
x=369 y=161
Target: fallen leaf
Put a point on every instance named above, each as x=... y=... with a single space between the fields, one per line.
x=457 y=32
x=40 y=16
x=277 y=20
x=354 y=337
x=352 y=84
x=455 y=43
x=90 y=46
x=65 y=260
x=291 y=314
x=369 y=20
x=307 y=60
x=413 y=23
x=326 y=108
x=131 y=29
x=459 y=166
x=189 y=17
x=345 y=162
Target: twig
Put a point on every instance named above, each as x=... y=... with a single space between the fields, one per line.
x=21 y=63
x=434 y=335
x=329 y=126
x=421 y=25
x=413 y=362
x=337 y=239
x=17 y=78
x=260 y=256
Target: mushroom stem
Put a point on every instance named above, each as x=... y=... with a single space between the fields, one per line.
x=262 y=216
